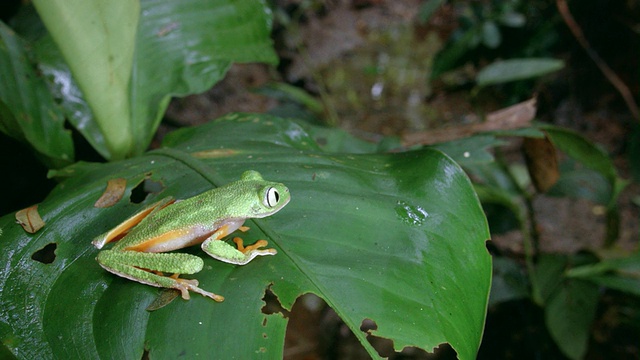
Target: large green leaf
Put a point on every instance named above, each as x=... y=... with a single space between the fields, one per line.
x=395 y=238
x=184 y=47
x=620 y=273
x=27 y=109
x=65 y=90
x=582 y=150
x=569 y=315
x=503 y=71
x=129 y=57
x=97 y=39
x=569 y=304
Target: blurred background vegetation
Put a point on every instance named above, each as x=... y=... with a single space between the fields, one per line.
x=387 y=70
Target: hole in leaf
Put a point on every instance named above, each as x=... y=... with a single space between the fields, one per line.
x=385 y=348
x=491 y=247
x=46 y=255
x=368 y=325
x=316 y=331
x=313 y=330
x=144 y=188
x=272 y=305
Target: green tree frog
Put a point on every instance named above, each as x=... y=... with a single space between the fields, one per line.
x=171 y=224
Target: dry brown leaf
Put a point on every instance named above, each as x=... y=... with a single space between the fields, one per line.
x=542 y=162
x=513 y=117
x=112 y=194
x=30 y=219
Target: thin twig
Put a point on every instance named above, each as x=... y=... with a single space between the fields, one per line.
x=613 y=78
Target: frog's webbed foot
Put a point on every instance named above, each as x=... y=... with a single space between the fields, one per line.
x=186 y=285
x=241 y=255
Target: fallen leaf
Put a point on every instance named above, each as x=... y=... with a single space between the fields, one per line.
x=112 y=194
x=513 y=117
x=542 y=162
x=30 y=219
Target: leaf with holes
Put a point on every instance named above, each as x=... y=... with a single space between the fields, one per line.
x=395 y=238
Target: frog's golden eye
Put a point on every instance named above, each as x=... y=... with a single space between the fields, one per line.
x=272 y=198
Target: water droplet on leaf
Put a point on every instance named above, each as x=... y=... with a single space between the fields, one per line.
x=411 y=214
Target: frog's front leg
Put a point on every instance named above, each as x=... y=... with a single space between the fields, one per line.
x=140 y=267
x=241 y=255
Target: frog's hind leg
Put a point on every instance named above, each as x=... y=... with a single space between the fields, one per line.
x=144 y=267
x=123 y=228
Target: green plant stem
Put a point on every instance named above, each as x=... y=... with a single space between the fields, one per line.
x=330 y=111
x=612 y=227
x=613 y=213
x=531 y=245
x=530 y=235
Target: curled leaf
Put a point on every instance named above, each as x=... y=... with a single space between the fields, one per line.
x=112 y=194
x=30 y=219
x=542 y=162
x=517 y=116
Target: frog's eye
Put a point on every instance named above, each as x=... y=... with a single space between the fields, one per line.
x=272 y=197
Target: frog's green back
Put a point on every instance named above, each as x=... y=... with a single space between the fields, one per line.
x=249 y=197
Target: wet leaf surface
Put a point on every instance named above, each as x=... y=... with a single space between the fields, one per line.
x=395 y=238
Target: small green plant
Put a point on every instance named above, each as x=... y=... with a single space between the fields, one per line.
x=111 y=69
x=481 y=25
x=478 y=40
x=565 y=286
